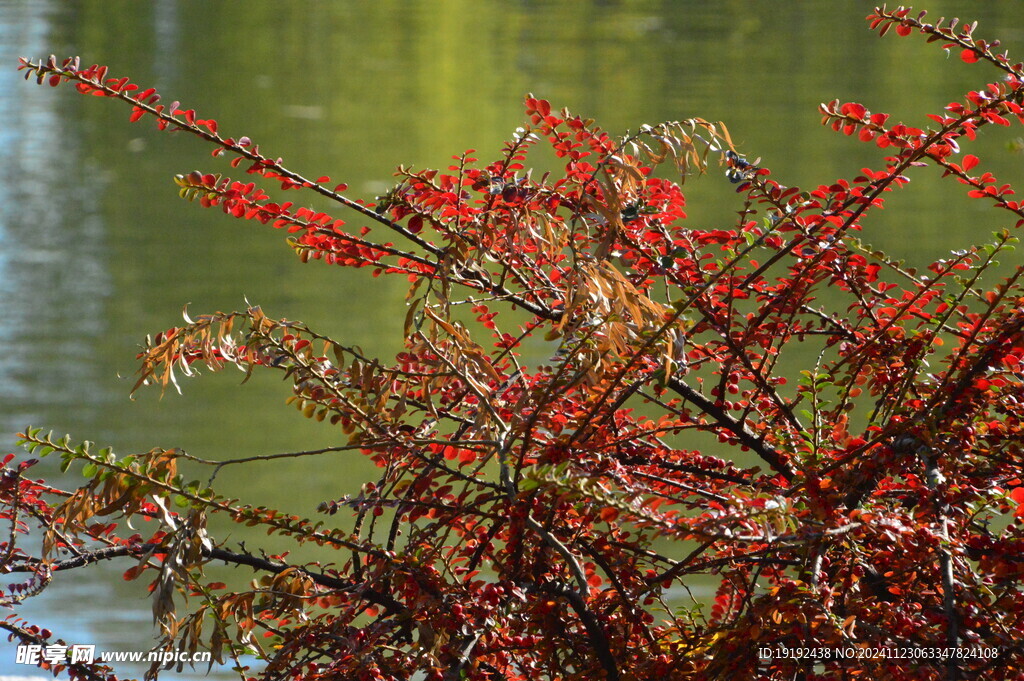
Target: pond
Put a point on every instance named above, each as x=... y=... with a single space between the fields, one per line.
x=97 y=250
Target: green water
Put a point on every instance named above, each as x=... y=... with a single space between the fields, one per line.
x=97 y=250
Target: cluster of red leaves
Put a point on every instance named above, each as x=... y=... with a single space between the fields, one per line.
x=523 y=521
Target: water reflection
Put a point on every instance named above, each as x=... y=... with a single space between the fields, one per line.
x=97 y=250
x=53 y=271
x=166 y=28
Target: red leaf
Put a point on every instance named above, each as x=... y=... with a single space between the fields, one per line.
x=853 y=109
x=970 y=160
x=969 y=56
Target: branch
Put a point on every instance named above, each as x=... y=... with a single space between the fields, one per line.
x=757 y=445
x=599 y=641
x=225 y=556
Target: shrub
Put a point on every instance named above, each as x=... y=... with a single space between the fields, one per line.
x=537 y=519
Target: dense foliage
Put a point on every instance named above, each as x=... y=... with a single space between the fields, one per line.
x=542 y=519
